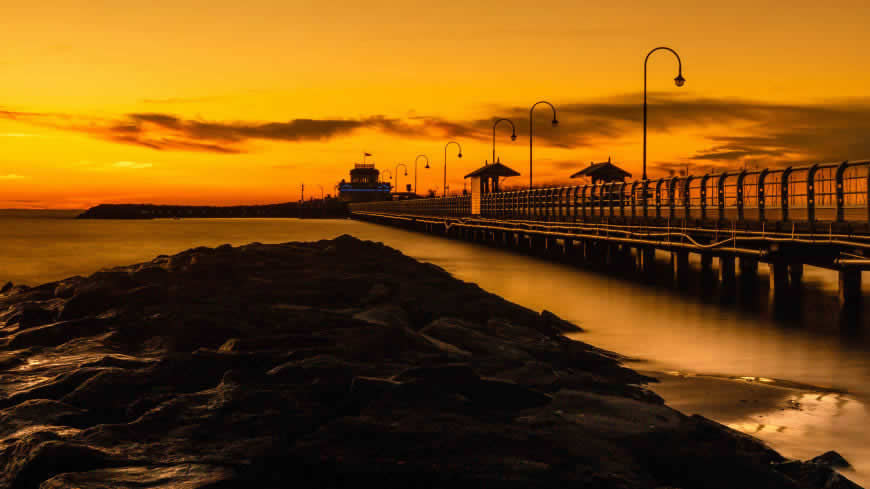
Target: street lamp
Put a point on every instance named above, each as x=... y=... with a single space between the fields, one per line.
x=531 y=124
x=679 y=81
x=444 y=188
x=415 y=169
x=513 y=134
x=397 y=173
x=321 y=191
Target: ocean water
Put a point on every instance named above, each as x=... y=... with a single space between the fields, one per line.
x=666 y=330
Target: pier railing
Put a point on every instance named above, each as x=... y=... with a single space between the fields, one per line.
x=819 y=193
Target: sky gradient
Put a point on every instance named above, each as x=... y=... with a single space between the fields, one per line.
x=218 y=102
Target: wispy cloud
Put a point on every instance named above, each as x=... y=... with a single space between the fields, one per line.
x=738 y=131
x=132 y=164
x=17 y=135
x=12 y=176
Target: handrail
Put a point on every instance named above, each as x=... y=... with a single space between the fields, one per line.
x=819 y=193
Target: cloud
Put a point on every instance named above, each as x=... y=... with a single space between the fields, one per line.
x=132 y=164
x=737 y=131
x=17 y=135
x=12 y=176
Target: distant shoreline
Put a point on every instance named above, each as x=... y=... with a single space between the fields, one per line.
x=330 y=208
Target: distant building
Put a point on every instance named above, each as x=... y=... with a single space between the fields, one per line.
x=603 y=172
x=364 y=185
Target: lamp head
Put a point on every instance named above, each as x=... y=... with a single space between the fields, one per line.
x=460 y=155
x=427 y=165
x=514 y=137
x=555 y=122
x=679 y=80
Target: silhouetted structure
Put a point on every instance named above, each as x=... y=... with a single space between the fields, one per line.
x=604 y=172
x=488 y=176
x=485 y=180
x=364 y=185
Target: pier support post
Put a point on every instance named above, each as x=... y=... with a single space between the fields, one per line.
x=588 y=252
x=778 y=277
x=727 y=276
x=748 y=268
x=796 y=273
x=748 y=275
x=850 y=287
x=648 y=259
x=778 y=294
x=708 y=280
x=609 y=254
x=680 y=260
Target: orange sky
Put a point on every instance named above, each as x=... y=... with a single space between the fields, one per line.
x=217 y=102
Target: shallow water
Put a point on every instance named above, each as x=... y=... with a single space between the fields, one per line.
x=665 y=328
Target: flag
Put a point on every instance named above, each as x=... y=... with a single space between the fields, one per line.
x=367 y=154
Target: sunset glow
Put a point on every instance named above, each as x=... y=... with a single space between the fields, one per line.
x=216 y=102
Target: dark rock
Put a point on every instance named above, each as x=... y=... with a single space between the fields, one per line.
x=364 y=390
x=29 y=314
x=464 y=335
x=550 y=322
x=187 y=476
x=6 y=288
x=457 y=375
x=813 y=475
x=57 y=333
x=386 y=314
x=230 y=345
x=831 y=459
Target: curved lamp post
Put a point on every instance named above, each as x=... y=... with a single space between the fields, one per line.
x=444 y=188
x=679 y=81
x=415 y=169
x=397 y=173
x=513 y=134
x=531 y=124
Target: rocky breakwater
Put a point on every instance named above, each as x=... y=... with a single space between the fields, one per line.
x=331 y=364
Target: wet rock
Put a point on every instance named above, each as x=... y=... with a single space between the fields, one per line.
x=29 y=314
x=186 y=476
x=457 y=374
x=56 y=333
x=808 y=474
x=6 y=287
x=378 y=293
x=550 y=322
x=149 y=274
x=364 y=390
x=387 y=315
x=230 y=345
x=67 y=288
x=831 y=459
x=97 y=300
x=40 y=462
x=464 y=336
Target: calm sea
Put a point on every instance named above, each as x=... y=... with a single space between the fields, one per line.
x=667 y=329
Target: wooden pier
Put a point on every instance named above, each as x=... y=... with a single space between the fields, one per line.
x=788 y=218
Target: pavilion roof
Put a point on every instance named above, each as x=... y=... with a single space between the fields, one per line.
x=494 y=170
x=602 y=171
